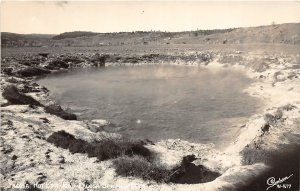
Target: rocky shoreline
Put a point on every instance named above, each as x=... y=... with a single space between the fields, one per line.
x=26 y=125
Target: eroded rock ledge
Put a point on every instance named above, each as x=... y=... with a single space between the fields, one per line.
x=30 y=120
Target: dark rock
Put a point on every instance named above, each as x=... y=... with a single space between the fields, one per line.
x=132 y=60
x=204 y=57
x=58 y=111
x=62 y=160
x=49 y=151
x=278 y=114
x=31 y=63
x=35 y=84
x=29 y=88
x=45 y=120
x=8 y=122
x=45 y=55
x=57 y=64
x=12 y=80
x=99 y=60
x=14 y=157
x=12 y=94
x=147 y=142
x=150 y=57
x=7 y=71
x=188 y=159
x=41 y=179
x=32 y=106
x=113 y=58
x=265 y=127
x=32 y=71
x=87 y=183
x=7 y=149
x=44 y=89
x=270 y=119
x=24 y=137
x=40 y=137
x=72 y=60
x=189 y=173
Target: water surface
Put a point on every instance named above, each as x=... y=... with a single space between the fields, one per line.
x=159 y=101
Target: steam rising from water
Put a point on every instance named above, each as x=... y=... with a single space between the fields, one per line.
x=159 y=102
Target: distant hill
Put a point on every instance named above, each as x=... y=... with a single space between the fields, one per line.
x=15 y=36
x=277 y=34
x=14 y=39
x=74 y=34
x=283 y=33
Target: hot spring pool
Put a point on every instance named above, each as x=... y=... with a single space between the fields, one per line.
x=159 y=101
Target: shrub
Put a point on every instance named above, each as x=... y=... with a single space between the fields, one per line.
x=32 y=71
x=103 y=150
x=12 y=94
x=57 y=64
x=140 y=167
x=272 y=119
x=204 y=57
x=189 y=173
x=185 y=173
x=58 y=111
x=269 y=119
x=132 y=158
x=287 y=107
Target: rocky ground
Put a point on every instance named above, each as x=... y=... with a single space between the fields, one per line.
x=29 y=118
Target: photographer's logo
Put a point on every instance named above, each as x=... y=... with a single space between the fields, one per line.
x=279 y=183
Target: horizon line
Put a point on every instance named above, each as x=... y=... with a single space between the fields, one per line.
x=164 y=31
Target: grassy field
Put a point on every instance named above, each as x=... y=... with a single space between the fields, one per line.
x=159 y=49
x=283 y=38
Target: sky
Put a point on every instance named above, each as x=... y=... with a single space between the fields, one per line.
x=54 y=17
